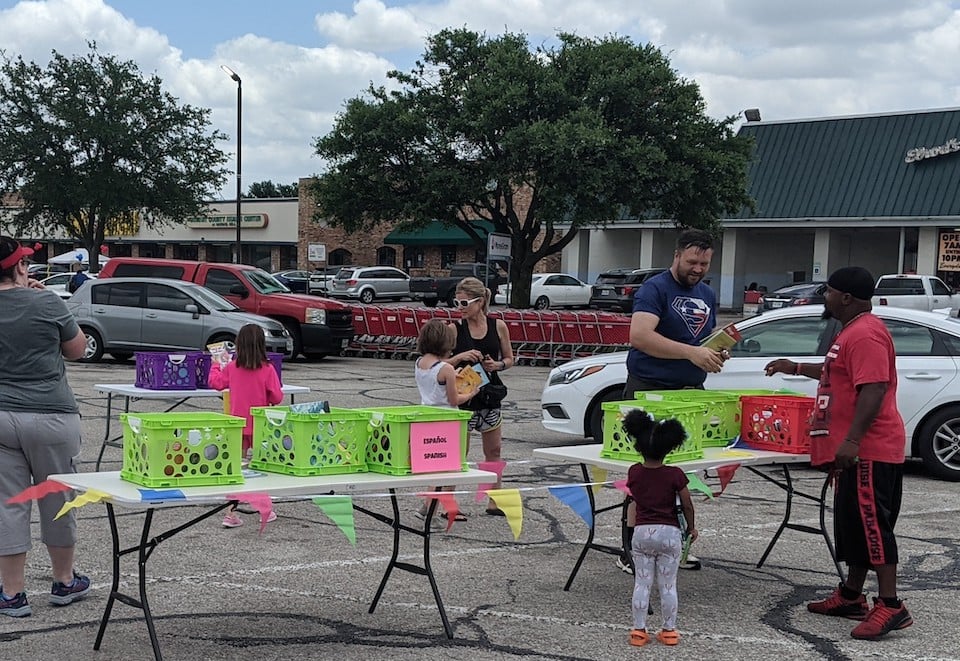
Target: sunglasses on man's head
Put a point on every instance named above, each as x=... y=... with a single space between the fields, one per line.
x=465 y=303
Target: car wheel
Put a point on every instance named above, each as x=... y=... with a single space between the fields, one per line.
x=294 y=329
x=939 y=444
x=595 y=412
x=542 y=303
x=366 y=296
x=121 y=356
x=94 y=350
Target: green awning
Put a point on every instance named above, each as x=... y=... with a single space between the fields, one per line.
x=435 y=234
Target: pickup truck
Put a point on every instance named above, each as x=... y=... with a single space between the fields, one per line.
x=318 y=326
x=433 y=290
x=920 y=292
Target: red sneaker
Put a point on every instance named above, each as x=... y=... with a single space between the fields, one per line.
x=881 y=620
x=837 y=606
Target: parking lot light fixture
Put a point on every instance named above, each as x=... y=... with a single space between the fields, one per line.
x=233 y=74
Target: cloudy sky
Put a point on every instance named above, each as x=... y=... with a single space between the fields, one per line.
x=301 y=60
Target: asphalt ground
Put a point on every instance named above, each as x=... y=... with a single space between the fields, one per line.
x=301 y=590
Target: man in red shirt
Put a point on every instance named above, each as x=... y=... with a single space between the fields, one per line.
x=858 y=433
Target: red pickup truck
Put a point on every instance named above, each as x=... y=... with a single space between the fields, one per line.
x=318 y=326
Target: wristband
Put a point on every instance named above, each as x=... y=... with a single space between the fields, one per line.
x=797 y=369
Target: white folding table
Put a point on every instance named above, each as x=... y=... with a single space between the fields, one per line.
x=131 y=392
x=125 y=494
x=589 y=455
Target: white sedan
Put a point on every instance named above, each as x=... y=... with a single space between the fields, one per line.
x=551 y=290
x=928 y=366
x=58 y=283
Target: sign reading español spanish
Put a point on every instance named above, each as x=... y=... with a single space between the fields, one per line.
x=435 y=446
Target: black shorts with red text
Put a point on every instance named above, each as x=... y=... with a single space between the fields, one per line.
x=866 y=506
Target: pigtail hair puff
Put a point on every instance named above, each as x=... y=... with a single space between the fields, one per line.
x=653 y=439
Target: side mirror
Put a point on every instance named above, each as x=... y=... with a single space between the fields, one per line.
x=192 y=309
x=750 y=346
x=239 y=290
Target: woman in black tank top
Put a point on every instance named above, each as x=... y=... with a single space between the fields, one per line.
x=485 y=341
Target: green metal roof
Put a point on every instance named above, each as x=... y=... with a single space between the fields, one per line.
x=845 y=167
x=436 y=234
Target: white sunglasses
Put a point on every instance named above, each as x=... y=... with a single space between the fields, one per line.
x=460 y=303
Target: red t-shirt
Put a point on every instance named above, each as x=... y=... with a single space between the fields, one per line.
x=861 y=353
x=655 y=490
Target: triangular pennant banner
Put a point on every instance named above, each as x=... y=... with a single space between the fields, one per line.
x=508 y=500
x=340 y=510
x=696 y=484
x=38 y=491
x=599 y=476
x=258 y=501
x=493 y=467
x=450 y=506
x=576 y=498
x=91 y=496
x=725 y=473
x=622 y=486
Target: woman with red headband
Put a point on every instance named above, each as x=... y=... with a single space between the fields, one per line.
x=39 y=428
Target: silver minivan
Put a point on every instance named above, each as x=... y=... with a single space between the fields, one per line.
x=122 y=315
x=368 y=283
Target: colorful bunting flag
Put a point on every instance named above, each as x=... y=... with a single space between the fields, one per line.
x=339 y=509
x=621 y=485
x=576 y=498
x=508 y=500
x=696 y=484
x=91 y=496
x=259 y=501
x=38 y=491
x=725 y=473
x=493 y=467
x=599 y=477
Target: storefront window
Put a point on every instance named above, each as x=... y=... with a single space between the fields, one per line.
x=386 y=256
x=185 y=251
x=288 y=258
x=413 y=257
x=340 y=257
x=448 y=256
x=217 y=253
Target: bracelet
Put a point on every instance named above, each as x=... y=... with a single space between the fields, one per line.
x=503 y=365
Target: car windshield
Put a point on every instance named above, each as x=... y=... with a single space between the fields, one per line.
x=611 y=278
x=211 y=299
x=265 y=283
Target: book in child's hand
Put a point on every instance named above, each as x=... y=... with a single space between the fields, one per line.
x=471 y=378
x=220 y=353
x=722 y=338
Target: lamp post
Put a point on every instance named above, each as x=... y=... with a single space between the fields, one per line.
x=233 y=74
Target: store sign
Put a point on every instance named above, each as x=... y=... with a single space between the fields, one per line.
x=949 y=255
x=920 y=153
x=316 y=252
x=498 y=245
x=227 y=221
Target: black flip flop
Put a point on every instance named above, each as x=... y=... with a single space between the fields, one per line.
x=495 y=512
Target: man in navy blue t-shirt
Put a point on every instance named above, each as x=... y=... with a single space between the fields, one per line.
x=672 y=313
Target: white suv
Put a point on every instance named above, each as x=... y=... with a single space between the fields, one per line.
x=369 y=283
x=319 y=284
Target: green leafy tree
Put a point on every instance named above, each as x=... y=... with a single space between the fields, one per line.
x=539 y=142
x=90 y=144
x=267 y=189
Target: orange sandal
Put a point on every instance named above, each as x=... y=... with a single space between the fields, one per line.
x=639 y=637
x=668 y=637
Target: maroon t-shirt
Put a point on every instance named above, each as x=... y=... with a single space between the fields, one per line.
x=655 y=490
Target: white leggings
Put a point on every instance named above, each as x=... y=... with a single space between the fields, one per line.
x=656 y=552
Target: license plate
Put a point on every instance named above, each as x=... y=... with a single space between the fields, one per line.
x=776 y=304
x=344 y=343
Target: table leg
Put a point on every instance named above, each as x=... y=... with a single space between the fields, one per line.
x=143 y=550
x=106 y=431
x=425 y=570
x=821 y=500
x=589 y=544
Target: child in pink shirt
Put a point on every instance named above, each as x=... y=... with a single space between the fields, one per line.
x=252 y=381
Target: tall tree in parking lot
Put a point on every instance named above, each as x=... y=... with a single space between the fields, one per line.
x=93 y=148
x=268 y=189
x=539 y=142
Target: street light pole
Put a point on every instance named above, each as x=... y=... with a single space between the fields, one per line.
x=233 y=74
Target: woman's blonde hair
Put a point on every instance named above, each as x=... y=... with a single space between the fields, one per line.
x=437 y=337
x=474 y=289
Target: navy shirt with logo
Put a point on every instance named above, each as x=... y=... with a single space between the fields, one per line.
x=687 y=314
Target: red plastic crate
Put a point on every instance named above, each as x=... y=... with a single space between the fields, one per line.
x=776 y=422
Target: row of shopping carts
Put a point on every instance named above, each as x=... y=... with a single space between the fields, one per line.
x=538 y=337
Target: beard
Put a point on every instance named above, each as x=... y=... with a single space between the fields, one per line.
x=826 y=314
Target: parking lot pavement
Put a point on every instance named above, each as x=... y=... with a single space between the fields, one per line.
x=301 y=590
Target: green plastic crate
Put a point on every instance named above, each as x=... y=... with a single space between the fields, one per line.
x=618 y=445
x=182 y=449
x=293 y=443
x=388 y=435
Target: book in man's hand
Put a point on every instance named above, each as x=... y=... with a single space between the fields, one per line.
x=722 y=338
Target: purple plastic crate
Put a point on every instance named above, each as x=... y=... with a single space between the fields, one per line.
x=167 y=371
x=205 y=360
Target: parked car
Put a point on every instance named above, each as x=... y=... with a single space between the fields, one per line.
x=928 y=369
x=122 y=315
x=434 y=289
x=295 y=281
x=920 y=292
x=58 y=283
x=39 y=271
x=615 y=288
x=798 y=293
x=551 y=290
x=321 y=279
x=368 y=283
